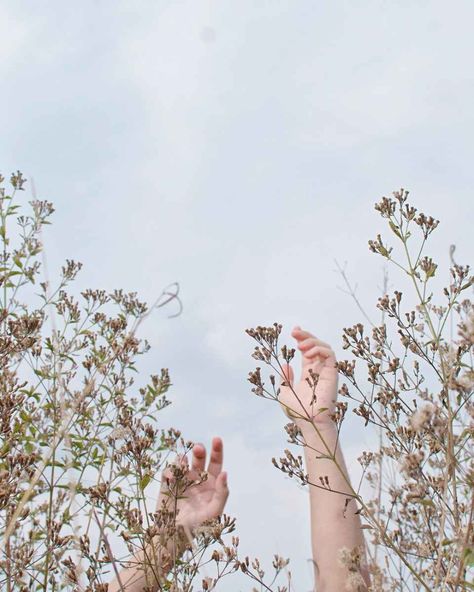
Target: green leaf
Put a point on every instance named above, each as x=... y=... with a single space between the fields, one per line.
x=395 y=229
x=29 y=448
x=144 y=481
x=41 y=374
x=468 y=557
x=425 y=502
x=18 y=262
x=24 y=415
x=55 y=463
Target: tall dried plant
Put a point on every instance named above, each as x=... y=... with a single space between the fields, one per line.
x=412 y=380
x=81 y=443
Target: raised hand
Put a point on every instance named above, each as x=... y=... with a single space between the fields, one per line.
x=202 y=500
x=305 y=400
x=193 y=500
x=335 y=521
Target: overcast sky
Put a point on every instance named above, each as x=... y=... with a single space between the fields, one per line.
x=238 y=148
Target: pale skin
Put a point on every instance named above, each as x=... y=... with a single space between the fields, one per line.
x=201 y=502
x=334 y=523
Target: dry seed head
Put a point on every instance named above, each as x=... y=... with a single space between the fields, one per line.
x=466 y=380
x=279 y=562
x=411 y=463
x=422 y=416
x=466 y=329
x=386 y=207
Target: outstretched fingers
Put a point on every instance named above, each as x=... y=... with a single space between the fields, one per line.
x=306 y=343
x=310 y=345
x=319 y=351
x=221 y=493
x=217 y=457
x=221 y=488
x=199 y=458
x=317 y=354
x=300 y=334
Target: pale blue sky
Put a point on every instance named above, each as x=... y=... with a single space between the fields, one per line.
x=238 y=148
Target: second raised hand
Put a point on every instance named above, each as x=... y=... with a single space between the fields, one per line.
x=205 y=499
x=306 y=401
x=190 y=499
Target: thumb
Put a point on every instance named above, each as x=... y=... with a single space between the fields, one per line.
x=288 y=376
x=286 y=397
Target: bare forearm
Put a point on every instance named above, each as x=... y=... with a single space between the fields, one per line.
x=186 y=501
x=140 y=573
x=148 y=568
x=132 y=578
x=334 y=522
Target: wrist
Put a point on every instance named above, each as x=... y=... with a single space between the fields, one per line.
x=314 y=430
x=185 y=531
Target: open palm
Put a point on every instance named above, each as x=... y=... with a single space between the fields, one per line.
x=203 y=500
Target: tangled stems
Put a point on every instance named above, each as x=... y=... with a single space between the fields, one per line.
x=420 y=400
x=81 y=442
